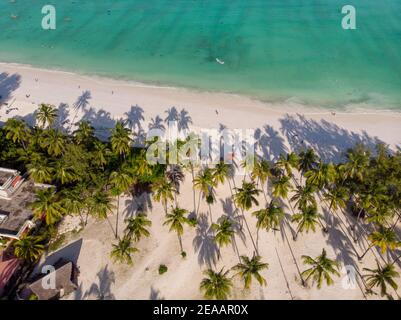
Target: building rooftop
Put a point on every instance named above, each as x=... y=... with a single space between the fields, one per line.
x=65 y=282
x=4 y=176
x=15 y=213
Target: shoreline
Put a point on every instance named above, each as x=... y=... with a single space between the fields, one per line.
x=109 y=99
x=301 y=107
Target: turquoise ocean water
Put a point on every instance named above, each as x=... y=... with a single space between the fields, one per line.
x=272 y=49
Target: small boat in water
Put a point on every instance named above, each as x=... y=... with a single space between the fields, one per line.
x=220 y=61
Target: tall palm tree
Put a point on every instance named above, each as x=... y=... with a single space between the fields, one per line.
x=100 y=154
x=85 y=133
x=216 y=285
x=100 y=205
x=122 y=251
x=307 y=220
x=40 y=171
x=175 y=176
x=137 y=227
x=249 y=268
x=357 y=161
x=73 y=204
x=245 y=198
x=224 y=231
x=120 y=139
x=321 y=176
x=336 y=196
x=121 y=180
x=17 y=131
x=204 y=182
x=54 y=141
x=261 y=171
x=47 y=205
x=281 y=186
x=288 y=163
x=322 y=268
x=176 y=220
x=384 y=238
x=63 y=173
x=163 y=191
x=381 y=277
x=304 y=196
x=270 y=217
x=46 y=115
x=221 y=172
x=29 y=248
x=308 y=160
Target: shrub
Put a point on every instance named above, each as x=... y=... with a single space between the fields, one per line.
x=162 y=269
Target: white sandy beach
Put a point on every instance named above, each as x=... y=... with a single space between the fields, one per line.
x=279 y=126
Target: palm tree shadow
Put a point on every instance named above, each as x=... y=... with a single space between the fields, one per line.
x=135 y=118
x=269 y=143
x=101 y=120
x=62 y=117
x=155 y=294
x=326 y=138
x=204 y=244
x=8 y=84
x=172 y=115
x=156 y=123
x=184 y=120
x=82 y=101
x=233 y=215
x=102 y=289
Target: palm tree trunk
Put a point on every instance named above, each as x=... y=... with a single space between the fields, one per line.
x=293 y=256
x=180 y=241
x=199 y=200
x=363 y=255
x=249 y=231
x=210 y=214
x=118 y=209
x=236 y=248
x=193 y=188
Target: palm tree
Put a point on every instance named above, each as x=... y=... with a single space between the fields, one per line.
x=47 y=205
x=321 y=176
x=122 y=251
x=304 y=196
x=137 y=227
x=381 y=277
x=221 y=172
x=73 y=204
x=288 y=163
x=46 y=114
x=224 y=231
x=54 y=141
x=176 y=220
x=307 y=220
x=270 y=217
x=100 y=205
x=100 y=154
x=120 y=139
x=281 y=186
x=121 y=180
x=204 y=182
x=85 y=133
x=244 y=198
x=357 y=161
x=29 y=248
x=216 y=285
x=336 y=196
x=261 y=171
x=17 y=131
x=249 y=268
x=163 y=191
x=40 y=171
x=308 y=160
x=63 y=173
x=321 y=269
x=175 y=176
x=384 y=238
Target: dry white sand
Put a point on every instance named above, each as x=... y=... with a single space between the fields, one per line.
x=279 y=126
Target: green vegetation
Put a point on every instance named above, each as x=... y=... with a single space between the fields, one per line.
x=90 y=175
x=162 y=269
